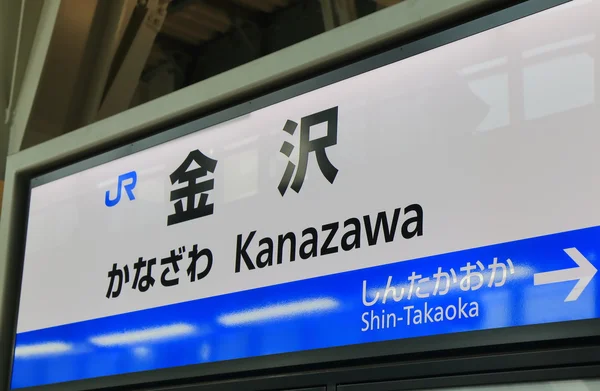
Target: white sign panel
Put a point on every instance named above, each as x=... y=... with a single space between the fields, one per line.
x=487 y=140
x=453 y=191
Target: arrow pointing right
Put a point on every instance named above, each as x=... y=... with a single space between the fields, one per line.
x=584 y=272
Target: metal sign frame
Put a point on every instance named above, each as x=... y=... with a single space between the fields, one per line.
x=442 y=371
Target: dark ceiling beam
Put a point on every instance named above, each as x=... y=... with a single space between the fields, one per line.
x=237 y=12
x=177 y=5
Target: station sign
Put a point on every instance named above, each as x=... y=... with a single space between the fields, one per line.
x=453 y=191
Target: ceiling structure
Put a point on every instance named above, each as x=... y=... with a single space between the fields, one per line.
x=198 y=21
x=140 y=50
x=199 y=39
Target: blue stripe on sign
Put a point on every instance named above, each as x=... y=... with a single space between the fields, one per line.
x=323 y=312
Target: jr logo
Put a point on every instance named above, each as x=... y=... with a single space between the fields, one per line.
x=121 y=184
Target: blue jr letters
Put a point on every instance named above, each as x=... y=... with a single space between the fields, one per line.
x=132 y=176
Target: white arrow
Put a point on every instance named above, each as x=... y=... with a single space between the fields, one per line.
x=584 y=272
